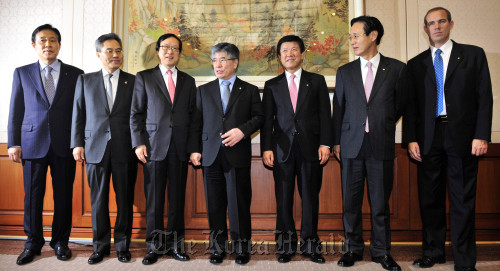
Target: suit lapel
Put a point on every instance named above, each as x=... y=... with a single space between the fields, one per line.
x=235 y=93
x=284 y=92
x=429 y=67
x=34 y=73
x=382 y=71
x=97 y=83
x=178 y=86
x=357 y=79
x=304 y=86
x=123 y=84
x=456 y=56
x=158 y=77
x=214 y=91
x=63 y=78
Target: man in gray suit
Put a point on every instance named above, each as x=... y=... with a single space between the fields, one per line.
x=367 y=103
x=100 y=136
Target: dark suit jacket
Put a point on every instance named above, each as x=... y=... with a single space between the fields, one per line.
x=244 y=111
x=34 y=123
x=468 y=94
x=154 y=119
x=93 y=121
x=311 y=122
x=383 y=108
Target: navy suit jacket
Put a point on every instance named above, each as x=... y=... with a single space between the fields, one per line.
x=244 y=111
x=384 y=107
x=311 y=122
x=154 y=120
x=34 y=123
x=468 y=95
x=94 y=123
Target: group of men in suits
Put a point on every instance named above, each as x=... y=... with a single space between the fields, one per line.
x=161 y=119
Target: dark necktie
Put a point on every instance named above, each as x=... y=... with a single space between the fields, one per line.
x=225 y=94
x=50 y=88
x=438 y=69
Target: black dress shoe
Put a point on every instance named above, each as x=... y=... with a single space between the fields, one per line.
x=180 y=256
x=464 y=268
x=428 y=262
x=349 y=258
x=124 y=256
x=314 y=257
x=97 y=256
x=150 y=258
x=285 y=257
x=217 y=258
x=63 y=253
x=27 y=256
x=242 y=258
x=387 y=262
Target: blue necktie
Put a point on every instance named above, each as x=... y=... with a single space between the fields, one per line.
x=225 y=94
x=50 y=88
x=438 y=69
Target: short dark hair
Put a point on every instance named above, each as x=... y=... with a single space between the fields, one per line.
x=291 y=38
x=448 y=14
x=370 y=24
x=45 y=27
x=100 y=40
x=166 y=36
x=230 y=49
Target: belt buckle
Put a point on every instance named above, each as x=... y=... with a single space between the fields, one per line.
x=443 y=118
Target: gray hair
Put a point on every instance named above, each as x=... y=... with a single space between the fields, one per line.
x=100 y=40
x=230 y=49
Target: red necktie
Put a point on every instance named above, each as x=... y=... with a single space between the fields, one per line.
x=171 y=86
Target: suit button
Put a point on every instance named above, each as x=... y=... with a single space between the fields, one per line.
x=223 y=119
x=447 y=105
x=170 y=126
x=367 y=108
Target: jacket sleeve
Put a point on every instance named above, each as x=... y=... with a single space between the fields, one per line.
x=79 y=115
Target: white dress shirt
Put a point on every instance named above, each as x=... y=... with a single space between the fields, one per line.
x=164 y=70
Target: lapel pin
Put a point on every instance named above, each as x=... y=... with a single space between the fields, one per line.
x=307 y=85
x=126 y=82
x=383 y=69
x=458 y=57
x=240 y=88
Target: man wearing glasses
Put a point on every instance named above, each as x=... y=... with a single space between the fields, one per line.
x=228 y=111
x=100 y=136
x=162 y=104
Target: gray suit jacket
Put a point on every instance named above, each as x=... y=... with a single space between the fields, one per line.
x=94 y=123
x=383 y=108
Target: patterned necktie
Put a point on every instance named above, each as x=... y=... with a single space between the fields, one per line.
x=368 y=89
x=50 y=88
x=438 y=69
x=171 y=86
x=292 y=88
x=225 y=94
x=109 y=91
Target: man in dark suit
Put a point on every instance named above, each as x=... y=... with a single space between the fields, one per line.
x=295 y=141
x=228 y=111
x=39 y=136
x=162 y=103
x=100 y=136
x=448 y=125
x=366 y=106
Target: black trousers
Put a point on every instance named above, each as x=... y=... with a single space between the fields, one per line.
x=379 y=178
x=228 y=188
x=156 y=174
x=462 y=183
x=309 y=179
x=62 y=171
x=124 y=176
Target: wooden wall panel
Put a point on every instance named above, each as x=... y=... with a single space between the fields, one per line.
x=405 y=213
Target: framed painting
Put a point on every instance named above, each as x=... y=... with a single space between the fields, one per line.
x=254 y=26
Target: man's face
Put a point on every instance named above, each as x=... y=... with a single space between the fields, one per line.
x=290 y=56
x=111 y=55
x=224 y=67
x=438 y=27
x=169 y=52
x=362 y=44
x=47 y=46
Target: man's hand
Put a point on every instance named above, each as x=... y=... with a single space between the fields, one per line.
x=336 y=151
x=414 y=151
x=79 y=154
x=323 y=154
x=479 y=147
x=141 y=152
x=15 y=154
x=268 y=158
x=231 y=137
x=195 y=158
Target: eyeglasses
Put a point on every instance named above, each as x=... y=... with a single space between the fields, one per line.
x=355 y=36
x=111 y=51
x=166 y=48
x=293 y=50
x=222 y=60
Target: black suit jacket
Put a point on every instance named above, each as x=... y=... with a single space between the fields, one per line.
x=244 y=111
x=310 y=123
x=34 y=123
x=154 y=120
x=94 y=123
x=350 y=108
x=468 y=94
